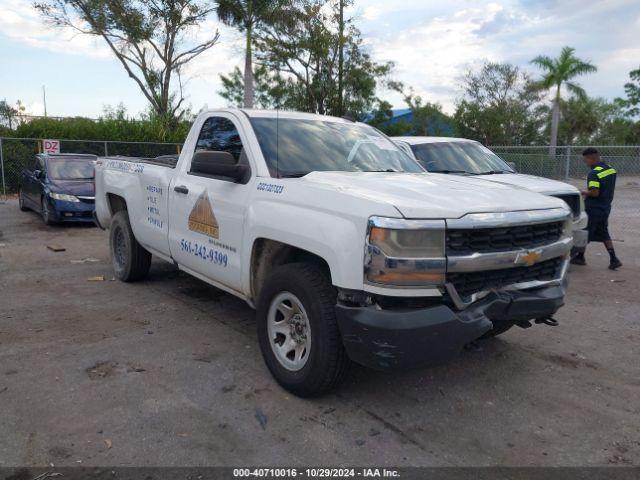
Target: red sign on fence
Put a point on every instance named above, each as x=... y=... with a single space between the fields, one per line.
x=51 y=146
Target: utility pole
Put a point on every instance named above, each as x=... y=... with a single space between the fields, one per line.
x=44 y=100
x=340 y=57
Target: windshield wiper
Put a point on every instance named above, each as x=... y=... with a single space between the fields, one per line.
x=447 y=171
x=491 y=172
x=388 y=170
x=292 y=174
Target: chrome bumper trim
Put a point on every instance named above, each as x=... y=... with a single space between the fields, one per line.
x=514 y=258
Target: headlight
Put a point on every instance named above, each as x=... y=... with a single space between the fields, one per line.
x=64 y=197
x=405 y=253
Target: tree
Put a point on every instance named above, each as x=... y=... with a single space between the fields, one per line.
x=499 y=106
x=305 y=53
x=580 y=119
x=248 y=16
x=149 y=39
x=428 y=119
x=11 y=116
x=8 y=114
x=560 y=72
x=632 y=89
x=269 y=93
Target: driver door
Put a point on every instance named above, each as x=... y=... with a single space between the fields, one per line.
x=33 y=184
x=207 y=213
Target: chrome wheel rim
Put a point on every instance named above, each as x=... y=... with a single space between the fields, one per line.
x=119 y=248
x=289 y=331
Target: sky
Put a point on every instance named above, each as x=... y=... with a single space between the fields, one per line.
x=432 y=44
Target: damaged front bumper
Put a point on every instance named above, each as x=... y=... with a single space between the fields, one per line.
x=396 y=338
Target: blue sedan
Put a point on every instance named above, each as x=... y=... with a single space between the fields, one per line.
x=60 y=187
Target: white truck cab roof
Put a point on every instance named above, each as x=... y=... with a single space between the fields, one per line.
x=285 y=114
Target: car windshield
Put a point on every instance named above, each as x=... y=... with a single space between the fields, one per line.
x=459 y=157
x=293 y=147
x=70 y=169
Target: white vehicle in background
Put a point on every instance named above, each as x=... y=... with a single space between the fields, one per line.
x=345 y=246
x=460 y=156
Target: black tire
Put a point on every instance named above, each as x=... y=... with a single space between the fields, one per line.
x=327 y=363
x=21 y=201
x=497 y=330
x=46 y=212
x=130 y=260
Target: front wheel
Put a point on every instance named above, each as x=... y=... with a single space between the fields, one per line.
x=298 y=330
x=130 y=260
x=47 y=216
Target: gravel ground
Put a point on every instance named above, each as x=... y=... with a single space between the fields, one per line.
x=168 y=372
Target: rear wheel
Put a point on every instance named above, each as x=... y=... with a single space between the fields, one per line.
x=47 y=216
x=21 y=201
x=298 y=331
x=130 y=260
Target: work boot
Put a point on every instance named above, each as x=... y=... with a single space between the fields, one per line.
x=578 y=260
x=615 y=263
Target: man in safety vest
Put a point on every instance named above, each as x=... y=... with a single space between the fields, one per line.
x=601 y=185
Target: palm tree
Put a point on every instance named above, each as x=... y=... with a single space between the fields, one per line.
x=247 y=16
x=558 y=72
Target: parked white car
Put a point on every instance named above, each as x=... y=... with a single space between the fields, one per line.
x=346 y=247
x=468 y=157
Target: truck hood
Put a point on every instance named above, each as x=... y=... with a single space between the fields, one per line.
x=530 y=182
x=430 y=195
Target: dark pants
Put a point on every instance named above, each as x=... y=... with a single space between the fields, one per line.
x=598 y=226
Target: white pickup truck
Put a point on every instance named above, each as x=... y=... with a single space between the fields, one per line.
x=345 y=246
x=460 y=156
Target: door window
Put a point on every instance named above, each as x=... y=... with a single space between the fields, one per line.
x=219 y=134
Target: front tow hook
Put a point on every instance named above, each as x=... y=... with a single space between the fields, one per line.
x=552 y=322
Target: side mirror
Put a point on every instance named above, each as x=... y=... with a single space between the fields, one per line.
x=512 y=165
x=39 y=174
x=218 y=164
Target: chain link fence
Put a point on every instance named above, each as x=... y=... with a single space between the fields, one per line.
x=16 y=154
x=567 y=162
x=567 y=165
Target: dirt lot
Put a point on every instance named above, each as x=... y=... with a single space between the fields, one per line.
x=168 y=372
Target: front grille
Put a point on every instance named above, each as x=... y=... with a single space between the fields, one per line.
x=467 y=284
x=90 y=200
x=488 y=240
x=573 y=200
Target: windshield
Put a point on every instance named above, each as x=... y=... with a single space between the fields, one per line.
x=293 y=147
x=70 y=169
x=459 y=157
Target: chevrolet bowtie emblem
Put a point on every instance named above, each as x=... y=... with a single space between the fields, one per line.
x=528 y=258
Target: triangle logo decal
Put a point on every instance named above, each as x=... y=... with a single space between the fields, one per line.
x=202 y=218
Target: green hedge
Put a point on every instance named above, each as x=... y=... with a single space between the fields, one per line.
x=112 y=129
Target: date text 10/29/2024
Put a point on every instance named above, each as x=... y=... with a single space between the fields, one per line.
x=316 y=472
x=204 y=252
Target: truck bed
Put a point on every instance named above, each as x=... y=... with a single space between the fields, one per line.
x=169 y=161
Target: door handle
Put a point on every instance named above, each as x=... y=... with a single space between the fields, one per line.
x=181 y=189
